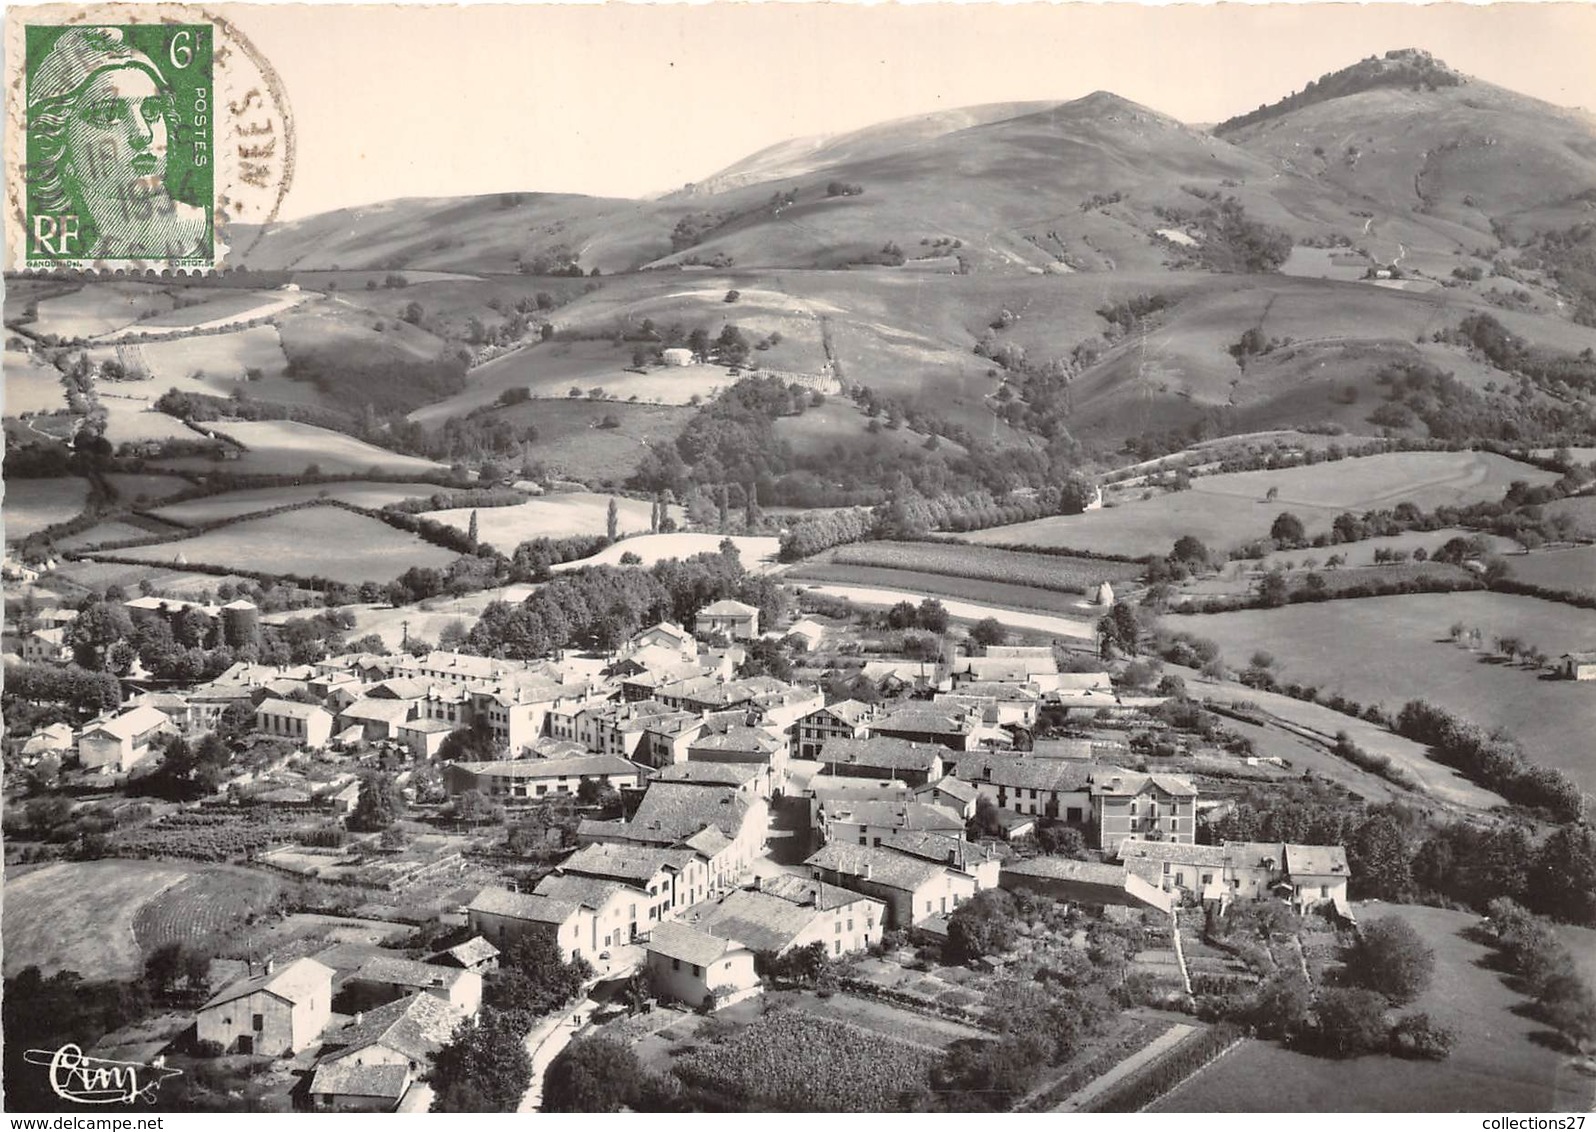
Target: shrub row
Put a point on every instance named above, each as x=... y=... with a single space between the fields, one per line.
x=1141 y=1089
x=1136 y=1038
x=1493 y=762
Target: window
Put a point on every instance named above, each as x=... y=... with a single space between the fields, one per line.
x=1324 y=891
x=258 y=1022
x=676 y=964
x=836 y=945
x=697 y=970
x=850 y=923
x=1174 y=825
x=836 y=928
x=1208 y=878
x=1166 y=868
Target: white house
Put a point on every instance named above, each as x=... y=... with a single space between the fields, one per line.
x=122 y=742
x=738 y=621
x=280 y=1011
x=305 y=724
x=697 y=968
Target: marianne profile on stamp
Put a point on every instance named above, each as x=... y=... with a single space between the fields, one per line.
x=102 y=122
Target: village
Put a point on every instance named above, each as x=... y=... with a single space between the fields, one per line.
x=679 y=834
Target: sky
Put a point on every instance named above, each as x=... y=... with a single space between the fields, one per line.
x=636 y=99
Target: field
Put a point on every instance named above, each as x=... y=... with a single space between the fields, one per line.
x=1049 y=624
x=134 y=486
x=372 y=495
x=218 y=355
x=1498 y=1064
x=1227 y=510
x=1583 y=508
x=552 y=369
x=1041 y=571
x=206 y=906
x=222 y=307
x=942 y=585
x=102 y=533
x=1362 y=553
x=1388 y=650
x=792 y=1061
x=99 y=309
x=80 y=916
x=288 y=448
x=326 y=542
x=30 y=385
x=758 y=552
x=553 y=516
x=130 y=420
x=572 y=443
x=30 y=505
x=1573 y=570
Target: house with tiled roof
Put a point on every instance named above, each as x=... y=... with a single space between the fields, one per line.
x=734 y=619
x=384 y=978
x=1147 y=807
x=673 y=880
x=700 y=969
x=279 y=1011
x=947 y=725
x=867 y=822
x=914 y=890
x=378 y=719
x=405 y=1033
x=1302 y=875
x=724 y=823
x=785 y=913
x=909 y=761
x=475 y=954
x=950 y=791
x=120 y=742
x=665 y=635
x=539 y=778
x=502 y=917
x=46 y=645
x=1030 y=785
x=748 y=778
x=308 y=725
x=349 y=1086
x=849 y=719
x=981 y=863
x=1083 y=882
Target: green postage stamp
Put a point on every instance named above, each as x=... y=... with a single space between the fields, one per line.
x=121 y=153
x=134 y=136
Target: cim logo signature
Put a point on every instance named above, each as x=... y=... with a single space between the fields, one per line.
x=76 y=1077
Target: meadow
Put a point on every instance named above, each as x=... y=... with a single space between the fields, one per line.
x=234 y=503
x=30 y=505
x=131 y=420
x=1388 y=650
x=1498 y=1064
x=326 y=542
x=757 y=552
x=100 y=308
x=573 y=442
x=220 y=355
x=101 y=533
x=30 y=385
x=1040 y=571
x=132 y=487
x=943 y=585
x=1583 y=508
x=1362 y=553
x=289 y=448
x=1232 y=508
x=1571 y=569
x=80 y=915
x=552 y=516
x=220 y=307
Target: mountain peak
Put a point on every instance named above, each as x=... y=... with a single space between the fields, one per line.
x=1410 y=67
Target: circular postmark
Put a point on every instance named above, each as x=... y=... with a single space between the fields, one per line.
x=140 y=139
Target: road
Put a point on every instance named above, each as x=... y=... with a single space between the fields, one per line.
x=549 y=1037
x=964 y=610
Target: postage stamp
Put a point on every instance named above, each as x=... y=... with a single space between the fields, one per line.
x=136 y=135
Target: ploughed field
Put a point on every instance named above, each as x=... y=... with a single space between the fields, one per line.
x=943 y=585
x=1388 y=650
x=286 y=448
x=1062 y=573
x=326 y=542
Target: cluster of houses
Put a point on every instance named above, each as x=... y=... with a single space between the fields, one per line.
x=392 y=1015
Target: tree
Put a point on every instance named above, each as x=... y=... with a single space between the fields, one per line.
x=932 y=616
x=1280 y=1008
x=471 y=530
x=1391 y=958
x=1416 y=1036
x=484 y=1067
x=612 y=519
x=1119 y=631
x=95 y=630
x=1351 y=1021
x=593 y=1075
x=1274 y=591
x=1190 y=550
x=1287 y=530
x=988 y=632
x=987 y=822
x=533 y=977
x=1562 y=883
x=984 y=925
x=378 y=806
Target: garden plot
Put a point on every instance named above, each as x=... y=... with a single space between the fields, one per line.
x=325 y=542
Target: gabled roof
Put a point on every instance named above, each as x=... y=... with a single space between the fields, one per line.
x=810 y=892
x=348 y=1078
x=881 y=754
x=679 y=810
x=726 y=607
x=950 y=785
x=1316 y=860
x=293 y=983
x=415 y=1027
x=634 y=864
x=678 y=941
x=1126 y=783
x=941 y=848
x=130 y=723
x=473 y=951
x=894 y=815
x=522 y=906
x=928 y=719
x=589 y=892
x=851 y=712
x=1063 y=868
x=766 y=921
x=880 y=866
x=710 y=774
x=378 y=711
x=1024 y=772
x=551 y=768
x=405 y=972
x=1175 y=853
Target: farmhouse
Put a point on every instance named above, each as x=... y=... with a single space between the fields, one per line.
x=868 y=822
x=913 y=890
x=723 y=823
x=672 y=879
x=744 y=777
x=1578 y=665
x=385 y=978
x=123 y=741
x=278 y=1012
x=808 y=631
x=349 y=1086
x=47 y=645
x=734 y=619
x=1027 y=784
x=785 y=912
x=1304 y=876
x=665 y=635
x=951 y=850
x=676 y=356
x=377 y=719
x=698 y=968
x=538 y=778
x=948 y=725
x=1083 y=882
x=401 y=1035
x=475 y=954
x=304 y=724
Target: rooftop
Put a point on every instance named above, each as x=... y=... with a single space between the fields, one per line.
x=679 y=809
x=414 y=1026
x=881 y=866
x=349 y=1078
x=551 y=768
x=883 y=754
x=678 y=941
x=294 y=982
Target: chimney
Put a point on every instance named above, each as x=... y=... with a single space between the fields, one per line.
x=271 y=966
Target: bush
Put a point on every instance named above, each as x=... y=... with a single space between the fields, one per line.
x=1351 y=1022
x=1416 y=1036
x=1141 y=1089
x=1390 y=958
